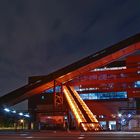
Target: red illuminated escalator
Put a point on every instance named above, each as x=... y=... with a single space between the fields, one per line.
x=84 y=117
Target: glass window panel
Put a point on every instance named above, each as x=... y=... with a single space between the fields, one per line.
x=137 y=84
x=92 y=96
x=101 y=96
x=84 y=96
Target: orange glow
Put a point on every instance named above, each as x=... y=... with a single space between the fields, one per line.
x=74 y=107
x=89 y=113
x=77 y=112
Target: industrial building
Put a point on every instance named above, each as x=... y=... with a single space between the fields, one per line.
x=98 y=92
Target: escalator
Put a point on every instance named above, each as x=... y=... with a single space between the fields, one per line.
x=86 y=121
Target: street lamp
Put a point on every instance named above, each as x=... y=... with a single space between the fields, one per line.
x=22 y=123
x=27 y=115
x=7 y=109
x=119 y=115
x=13 y=111
x=21 y=114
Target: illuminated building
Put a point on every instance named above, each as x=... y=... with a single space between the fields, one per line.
x=99 y=91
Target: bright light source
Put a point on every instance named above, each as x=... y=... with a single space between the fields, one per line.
x=21 y=114
x=6 y=109
x=27 y=115
x=129 y=115
x=21 y=121
x=13 y=111
x=119 y=115
x=123 y=120
x=101 y=116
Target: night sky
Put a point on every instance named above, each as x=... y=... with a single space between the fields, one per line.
x=40 y=36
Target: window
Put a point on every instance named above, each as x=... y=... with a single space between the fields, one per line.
x=57 y=89
x=104 y=95
x=137 y=84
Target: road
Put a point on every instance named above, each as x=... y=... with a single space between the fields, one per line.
x=53 y=135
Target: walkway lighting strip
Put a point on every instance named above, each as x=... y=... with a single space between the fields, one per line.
x=89 y=113
x=74 y=107
x=113 y=68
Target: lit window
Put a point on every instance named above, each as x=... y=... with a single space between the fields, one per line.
x=57 y=89
x=105 y=95
x=84 y=96
x=137 y=84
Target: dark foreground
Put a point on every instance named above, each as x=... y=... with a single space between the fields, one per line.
x=59 y=135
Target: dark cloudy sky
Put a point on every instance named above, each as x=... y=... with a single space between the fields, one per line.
x=40 y=36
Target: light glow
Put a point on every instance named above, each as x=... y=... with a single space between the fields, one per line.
x=7 y=109
x=89 y=113
x=119 y=115
x=21 y=114
x=13 y=111
x=27 y=115
x=113 y=68
x=77 y=112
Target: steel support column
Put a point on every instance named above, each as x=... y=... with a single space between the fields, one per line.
x=58 y=97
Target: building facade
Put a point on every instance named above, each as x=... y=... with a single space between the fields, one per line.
x=110 y=92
